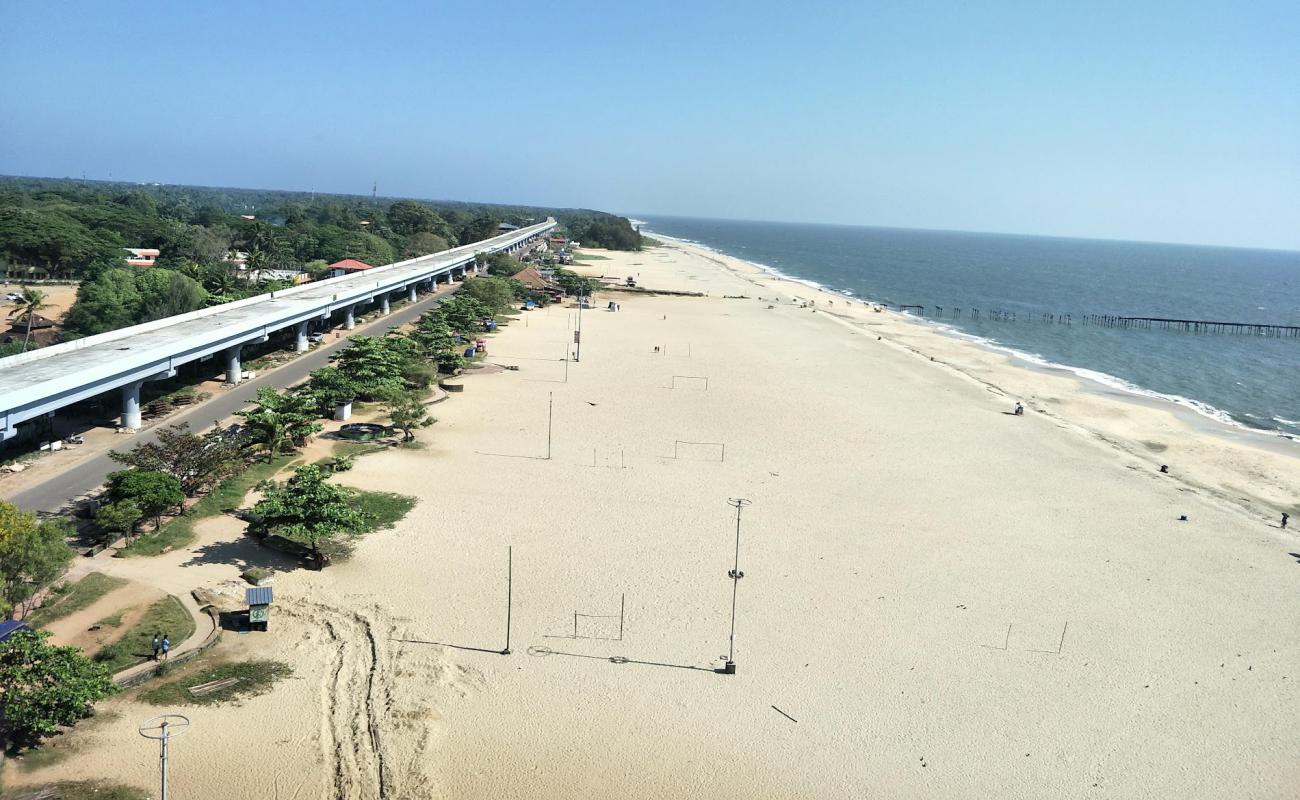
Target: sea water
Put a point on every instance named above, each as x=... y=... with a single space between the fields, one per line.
x=1252 y=381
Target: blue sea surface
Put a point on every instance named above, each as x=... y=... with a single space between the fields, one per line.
x=1250 y=380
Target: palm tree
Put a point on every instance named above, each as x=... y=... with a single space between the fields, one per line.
x=31 y=301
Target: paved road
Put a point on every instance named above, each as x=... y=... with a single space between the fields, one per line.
x=54 y=493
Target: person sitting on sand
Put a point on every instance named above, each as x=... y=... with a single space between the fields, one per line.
x=1020 y=410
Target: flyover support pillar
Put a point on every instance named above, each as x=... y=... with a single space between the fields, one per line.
x=131 y=405
x=350 y=318
x=300 y=343
x=234 y=369
x=410 y=293
x=383 y=304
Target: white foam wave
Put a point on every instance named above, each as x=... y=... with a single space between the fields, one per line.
x=1295 y=422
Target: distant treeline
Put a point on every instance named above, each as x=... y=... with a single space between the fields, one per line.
x=74 y=229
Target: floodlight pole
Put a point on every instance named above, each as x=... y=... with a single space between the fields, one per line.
x=510 y=565
x=735 y=574
x=159 y=728
x=577 y=356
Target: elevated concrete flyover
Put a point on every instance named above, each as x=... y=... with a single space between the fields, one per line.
x=42 y=381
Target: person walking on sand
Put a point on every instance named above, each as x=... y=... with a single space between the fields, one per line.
x=1285 y=517
x=166 y=647
x=156 y=645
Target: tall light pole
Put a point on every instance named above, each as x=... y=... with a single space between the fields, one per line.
x=163 y=728
x=735 y=574
x=577 y=334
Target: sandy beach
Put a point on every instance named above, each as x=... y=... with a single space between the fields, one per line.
x=940 y=599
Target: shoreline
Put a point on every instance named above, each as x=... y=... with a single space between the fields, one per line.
x=1280 y=450
x=1097 y=380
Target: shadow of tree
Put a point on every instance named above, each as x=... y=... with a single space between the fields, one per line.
x=245 y=553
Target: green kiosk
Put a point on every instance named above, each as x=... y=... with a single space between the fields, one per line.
x=259 y=606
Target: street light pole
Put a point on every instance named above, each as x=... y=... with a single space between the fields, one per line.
x=735 y=574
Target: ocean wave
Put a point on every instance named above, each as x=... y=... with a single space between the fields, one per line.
x=1295 y=422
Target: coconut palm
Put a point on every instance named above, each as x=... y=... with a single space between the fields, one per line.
x=31 y=302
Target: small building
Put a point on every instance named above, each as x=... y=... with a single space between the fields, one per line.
x=259 y=606
x=294 y=276
x=348 y=266
x=44 y=331
x=141 y=256
x=506 y=227
x=534 y=280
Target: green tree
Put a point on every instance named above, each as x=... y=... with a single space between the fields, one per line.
x=423 y=243
x=197 y=461
x=153 y=492
x=498 y=294
x=374 y=365
x=165 y=293
x=464 y=314
x=309 y=509
x=108 y=302
x=432 y=339
x=44 y=688
x=407 y=217
x=407 y=412
x=327 y=386
x=120 y=517
x=31 y=303
x=32 y=555
x=280 y=419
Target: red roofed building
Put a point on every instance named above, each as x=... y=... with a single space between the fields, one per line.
x=140 y=256
x=347 y=266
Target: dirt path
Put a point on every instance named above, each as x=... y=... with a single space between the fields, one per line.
x=133 y=599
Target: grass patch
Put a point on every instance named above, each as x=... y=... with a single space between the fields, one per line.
x=112 y=620
x=42 y=757
x=649 y=241
x=80 y=790
x=229 y=493
x=255 y=677
x=79 y=596
x=589 y=257
x=383 y=509
x=355 y=449
x=167 y=616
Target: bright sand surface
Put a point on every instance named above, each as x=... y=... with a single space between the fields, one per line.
x=951 y=601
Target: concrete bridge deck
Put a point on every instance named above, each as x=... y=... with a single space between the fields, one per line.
x=45 y=380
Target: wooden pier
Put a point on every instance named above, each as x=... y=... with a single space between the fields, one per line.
x=1269 y=330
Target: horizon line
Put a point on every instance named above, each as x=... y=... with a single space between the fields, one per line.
x=1022 y=235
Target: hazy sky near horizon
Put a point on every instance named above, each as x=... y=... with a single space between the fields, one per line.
x=1173 y=121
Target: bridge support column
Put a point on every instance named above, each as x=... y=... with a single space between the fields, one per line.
x=234 y=369
x=131 y=405
x=350 y=318
x=383 y=304
x=410 y=293
x=300 y=344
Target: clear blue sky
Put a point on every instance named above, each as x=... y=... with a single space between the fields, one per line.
x=1171 y=121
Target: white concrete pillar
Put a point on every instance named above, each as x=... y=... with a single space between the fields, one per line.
x=131 y=405
x=350 y=318
x=234 y=369
x=301 y=344
x=410 y=293
x=383 y=304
